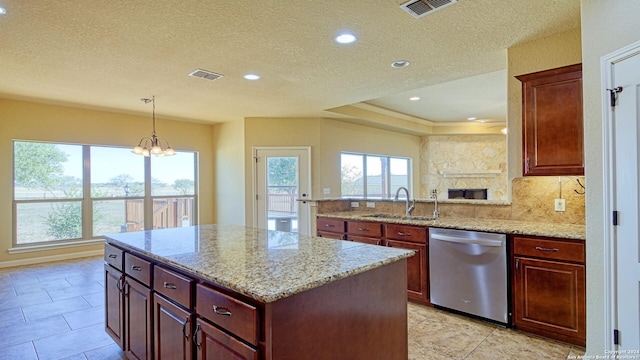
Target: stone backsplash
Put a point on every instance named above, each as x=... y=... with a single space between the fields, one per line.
x=532 y=200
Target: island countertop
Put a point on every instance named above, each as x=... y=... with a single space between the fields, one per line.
x=261 y=264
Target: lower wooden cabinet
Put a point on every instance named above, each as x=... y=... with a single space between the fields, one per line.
x=114 y=304
x=138 y=315
x=173 y=330
x=549 y=288
x=212 y=343
x=417 y=277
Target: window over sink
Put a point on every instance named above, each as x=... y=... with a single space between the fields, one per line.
x=373 y=176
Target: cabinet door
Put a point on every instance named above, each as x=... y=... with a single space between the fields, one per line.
x=214 y=344
x=365 y=239
x=549 y=299
x=138 y=308
x=114 y=304
x=417 y=286
x=173 y=327
x=553 y=122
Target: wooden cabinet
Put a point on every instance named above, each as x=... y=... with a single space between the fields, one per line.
x=364 y=232
x=138 y=308
x=549 y=287
x=412 y=238
x=330 y=228
x=212 y=343
x=173 y=330
x=173 y=319
x=114 y=304
x=552 y=122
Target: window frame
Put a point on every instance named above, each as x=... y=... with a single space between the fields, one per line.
x=87 y=201
x=386 y=175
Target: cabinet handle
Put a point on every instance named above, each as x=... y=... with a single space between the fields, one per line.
x=221 y=311
x=125 y=288
x=195 y=336
x=329 y=225
x=379 y=242
x=363 y=229
x=388 y=244
x=403 y=234
x=168 y=286
x=120 y=284
x=539 y=248
x=113 y=256
x=184 y=327
x=517 y=264
x=526 y=164
x=136 y=268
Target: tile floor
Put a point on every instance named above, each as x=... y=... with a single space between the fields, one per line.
x=56 y=311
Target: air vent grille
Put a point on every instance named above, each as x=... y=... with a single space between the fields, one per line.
x=420 y=8
x=208 y=75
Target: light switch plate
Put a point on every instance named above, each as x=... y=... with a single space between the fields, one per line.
x=326 y=191
x=560 y=204
x=355 y=204
x=371 y=204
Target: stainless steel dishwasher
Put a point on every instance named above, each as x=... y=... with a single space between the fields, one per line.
x=468 y=272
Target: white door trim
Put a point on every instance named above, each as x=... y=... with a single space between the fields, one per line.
x=254 y=175
x=608 y=200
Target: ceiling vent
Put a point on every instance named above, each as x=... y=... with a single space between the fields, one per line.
x=420 y=8
x=208 y=75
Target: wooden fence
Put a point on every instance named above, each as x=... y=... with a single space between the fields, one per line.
x=167 y=213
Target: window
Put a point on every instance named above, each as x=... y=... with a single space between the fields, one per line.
x=69 y=192
x=384 y=174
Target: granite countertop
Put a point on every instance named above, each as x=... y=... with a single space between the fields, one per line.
x=565 y=231
x=261 y=264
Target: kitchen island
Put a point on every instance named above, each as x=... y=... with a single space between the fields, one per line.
x=227 y=291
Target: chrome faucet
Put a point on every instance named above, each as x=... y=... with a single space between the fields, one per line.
x=409 y=209
x=434 y=195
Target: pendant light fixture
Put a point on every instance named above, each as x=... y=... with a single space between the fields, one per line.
x=153 y=145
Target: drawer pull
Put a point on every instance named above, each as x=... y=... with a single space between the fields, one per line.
x=403 y=234
x=136 y=268
x=363 y=229
x=329 y=225
x=168 y=285
x=539 y=248
x=221 y=311
x=195 y=336
x=113 y=256
x=185 y=327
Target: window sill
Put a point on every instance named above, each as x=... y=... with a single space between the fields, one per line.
x=59 y=245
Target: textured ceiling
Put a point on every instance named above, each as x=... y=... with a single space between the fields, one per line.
x=108 y=55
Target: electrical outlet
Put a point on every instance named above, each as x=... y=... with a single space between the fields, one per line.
x=326 y=191
x=560 y=204
x=371 y=204
x=355 y=204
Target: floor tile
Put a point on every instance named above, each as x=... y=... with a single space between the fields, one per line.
x=32 y=330
x=54 y=308
x=24 y=351
x=16 y=301
x=72 y=343
x=111 y=352
x=11 y=317
x=75 y=291
x=84 y=318
x=75 y=357
x=511 y=344
x=96 y=299
x=22 y=289
x=85 y=278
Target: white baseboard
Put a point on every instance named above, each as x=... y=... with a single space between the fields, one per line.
x=46 y=259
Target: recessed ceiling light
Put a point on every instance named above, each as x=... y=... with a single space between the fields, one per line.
x=2 y=10
x=252 y=76
x=346 y=38
x=400 y=64
x=471 y=118
x=414 y=98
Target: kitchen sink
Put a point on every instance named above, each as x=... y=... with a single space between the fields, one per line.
x=398 y=217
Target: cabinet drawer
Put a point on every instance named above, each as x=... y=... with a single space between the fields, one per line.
x=113 y=256
x=555 y=249
x=137 y=268
x=406 y=233
x=366 y=228
x=231 y=314
x=173 y=285
x=330 y=225
x=365 y=239
x=331 y=235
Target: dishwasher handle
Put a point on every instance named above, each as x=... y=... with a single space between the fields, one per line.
x=462 y=240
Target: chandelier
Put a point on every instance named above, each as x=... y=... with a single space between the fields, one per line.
x=153 y=145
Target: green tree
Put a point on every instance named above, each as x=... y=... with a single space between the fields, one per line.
x=352 y=183
x=38 y=165
x=283 y=171
x=119 y=181
x=184 y=186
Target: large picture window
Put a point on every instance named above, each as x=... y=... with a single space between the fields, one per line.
x=373 y=176
x=70 y=192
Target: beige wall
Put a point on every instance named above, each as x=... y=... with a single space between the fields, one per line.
x=229 y=181
x=43 y=122
x=327 y=138
x=606 y=27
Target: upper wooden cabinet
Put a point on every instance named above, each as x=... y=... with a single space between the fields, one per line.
x=552 y=139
